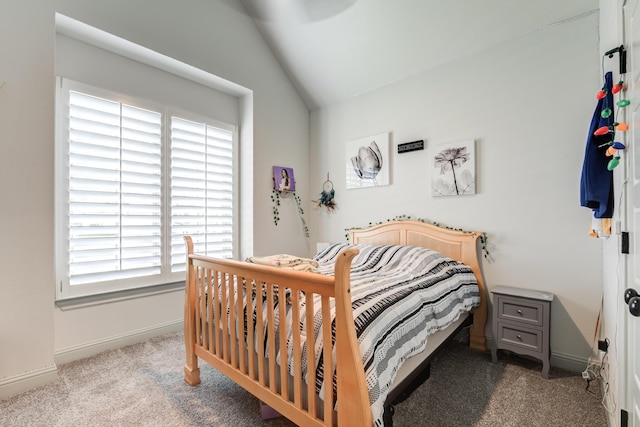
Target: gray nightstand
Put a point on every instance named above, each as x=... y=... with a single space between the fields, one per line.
x=521 y=323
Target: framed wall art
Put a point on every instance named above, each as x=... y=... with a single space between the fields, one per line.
x=454 y=171
x=283 y=179
x=367 y=161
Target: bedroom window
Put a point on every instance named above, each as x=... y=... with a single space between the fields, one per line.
x=201 y=189
x=133 y=177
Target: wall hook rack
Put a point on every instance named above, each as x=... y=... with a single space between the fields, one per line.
x=622 y=56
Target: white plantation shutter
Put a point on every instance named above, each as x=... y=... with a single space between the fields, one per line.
x=115 y=184
x=132 y=178
x=201 y=189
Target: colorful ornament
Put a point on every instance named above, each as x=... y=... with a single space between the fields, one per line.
x=617 y=87
x=607 y=113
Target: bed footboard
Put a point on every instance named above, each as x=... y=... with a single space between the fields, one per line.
x=233 y=313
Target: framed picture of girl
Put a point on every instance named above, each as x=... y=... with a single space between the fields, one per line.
x=283 y=179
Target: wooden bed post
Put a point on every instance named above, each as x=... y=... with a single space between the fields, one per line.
x=354 y=408
x=477 y=339
x=191 y=370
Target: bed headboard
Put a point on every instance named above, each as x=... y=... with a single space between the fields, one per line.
x=459 y=245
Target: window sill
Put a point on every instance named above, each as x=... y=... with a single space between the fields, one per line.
x=110 y=297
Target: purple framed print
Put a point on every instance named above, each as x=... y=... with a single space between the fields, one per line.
x=283 y=179
x=454 y=171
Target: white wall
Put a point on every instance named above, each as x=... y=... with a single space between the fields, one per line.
x=207 y=34
x=528 y=104
x=26 y=191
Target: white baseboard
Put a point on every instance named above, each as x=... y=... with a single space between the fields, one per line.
x=92 y=348
x=20 y=383
x=26 y=381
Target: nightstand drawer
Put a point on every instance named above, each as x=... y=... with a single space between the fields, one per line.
x=519 y=310
x=515 y=336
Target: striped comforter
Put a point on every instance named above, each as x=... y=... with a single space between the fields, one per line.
x=400 y=295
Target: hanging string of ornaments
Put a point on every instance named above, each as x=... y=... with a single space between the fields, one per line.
x=618 y=88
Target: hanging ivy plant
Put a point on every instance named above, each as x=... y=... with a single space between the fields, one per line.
x=305 y=229
x=483 y=236
x=275 y=198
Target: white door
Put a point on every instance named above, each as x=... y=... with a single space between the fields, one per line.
x=631 y=324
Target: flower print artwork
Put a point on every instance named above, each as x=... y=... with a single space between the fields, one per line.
x=454 y=169
x=367 y=163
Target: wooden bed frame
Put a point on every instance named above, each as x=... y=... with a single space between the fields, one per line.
x=259 y=373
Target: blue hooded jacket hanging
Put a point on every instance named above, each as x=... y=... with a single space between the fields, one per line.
x=596 y=184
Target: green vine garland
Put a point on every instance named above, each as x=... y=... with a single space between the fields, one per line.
x=483 y=236
x=275 y=198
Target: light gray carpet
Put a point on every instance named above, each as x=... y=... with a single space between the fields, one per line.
x=142 y=385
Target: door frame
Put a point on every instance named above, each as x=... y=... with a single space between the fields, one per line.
x=630 y=262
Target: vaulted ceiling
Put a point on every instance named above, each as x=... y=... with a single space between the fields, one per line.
x=333 y=50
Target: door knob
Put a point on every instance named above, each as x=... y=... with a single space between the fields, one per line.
x=631 y=297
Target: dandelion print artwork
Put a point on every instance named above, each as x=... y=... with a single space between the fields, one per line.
x=454 y=169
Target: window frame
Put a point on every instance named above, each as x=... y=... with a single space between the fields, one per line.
x=63 y=289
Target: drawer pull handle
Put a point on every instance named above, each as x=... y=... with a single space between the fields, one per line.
x=519 y=337
x=519 y=312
